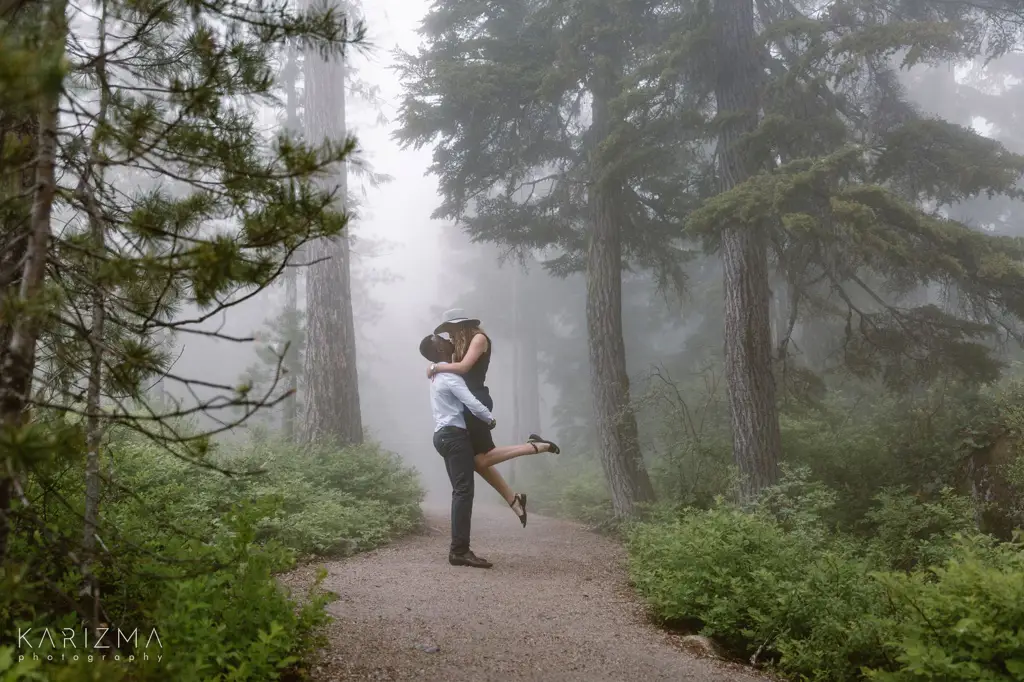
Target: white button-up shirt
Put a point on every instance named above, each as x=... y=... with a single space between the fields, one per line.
x=448 y=394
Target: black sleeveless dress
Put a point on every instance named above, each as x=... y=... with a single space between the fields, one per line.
x=479 y=433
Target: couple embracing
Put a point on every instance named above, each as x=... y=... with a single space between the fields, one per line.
x=461 y=406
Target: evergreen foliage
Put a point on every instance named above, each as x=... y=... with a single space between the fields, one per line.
x=196 y=555
x=143 y=196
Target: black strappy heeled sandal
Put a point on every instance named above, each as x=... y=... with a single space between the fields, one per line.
x=521 y=499
x=552 y=448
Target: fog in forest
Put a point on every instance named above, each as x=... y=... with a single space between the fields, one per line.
x=407 y=268
x=402 y=278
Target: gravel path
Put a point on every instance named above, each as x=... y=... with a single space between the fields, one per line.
x=555 y=606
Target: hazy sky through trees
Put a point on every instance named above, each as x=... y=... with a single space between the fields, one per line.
x=397 y=213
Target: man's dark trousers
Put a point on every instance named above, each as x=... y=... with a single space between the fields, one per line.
x=454 y=445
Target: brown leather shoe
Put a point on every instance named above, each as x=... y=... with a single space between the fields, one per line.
x=468 y=559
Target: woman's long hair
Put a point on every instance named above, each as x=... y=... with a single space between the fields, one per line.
x=461 y=336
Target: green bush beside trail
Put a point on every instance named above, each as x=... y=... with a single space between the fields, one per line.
x=193 y=553
x=917 y=597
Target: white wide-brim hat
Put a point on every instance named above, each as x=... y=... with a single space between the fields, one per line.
x=454 y=317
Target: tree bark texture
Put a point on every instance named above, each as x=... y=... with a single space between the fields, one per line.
x=94 y=429
x=18 y=137
x=331 y=402
x=97 y=333
x=19 y=359
x=621 y=459
x=757 y=442
x=94 y=424
x=290 y=417
x=517 y=372
x=290 y=413
x=526 y=368
x=529 y=385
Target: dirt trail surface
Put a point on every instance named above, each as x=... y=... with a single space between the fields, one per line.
x=555 y=606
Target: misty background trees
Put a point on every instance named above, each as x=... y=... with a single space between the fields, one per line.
x=608 y=131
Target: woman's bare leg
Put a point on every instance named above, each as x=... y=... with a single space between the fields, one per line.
x=507 y=452
x=484 y=464
x=497 y=481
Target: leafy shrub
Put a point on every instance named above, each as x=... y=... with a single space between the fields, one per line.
x=962 y=622
x=328 y=500
x=800 y=504
x=194 y=554
x=860 y=447
x=781 y=584
x=334 y=501
x=762 y=591
x=905 y=531
x=236 y=622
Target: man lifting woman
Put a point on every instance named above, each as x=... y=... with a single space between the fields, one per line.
x=461 y=404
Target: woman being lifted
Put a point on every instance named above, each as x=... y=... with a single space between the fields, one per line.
x=472 y=358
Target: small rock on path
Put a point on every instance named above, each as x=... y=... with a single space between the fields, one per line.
x=556 y=606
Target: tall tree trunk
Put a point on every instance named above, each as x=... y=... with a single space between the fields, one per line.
x=517 y=356
x=19 y=360
x=291 y=357
x=331 y=401
x=18 y=143
x=18 y=137
x=616 y=422
x=94 y=424
x=94 y=427
x=609 y=383
x=291 y=284
x=529 y=367
x=748 y=345
x=530 y=386
x=527 y=385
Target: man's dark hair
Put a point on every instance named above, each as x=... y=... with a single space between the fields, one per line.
x=430 y=348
